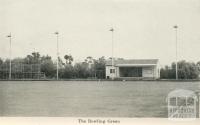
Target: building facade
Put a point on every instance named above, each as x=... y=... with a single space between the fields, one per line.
x=134 y=68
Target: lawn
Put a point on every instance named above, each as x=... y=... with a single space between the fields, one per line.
x=88 y=98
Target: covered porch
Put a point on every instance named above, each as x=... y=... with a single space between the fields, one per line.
x=144 y=71
x=130 y=71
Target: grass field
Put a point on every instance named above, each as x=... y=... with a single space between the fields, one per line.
x=88 y=98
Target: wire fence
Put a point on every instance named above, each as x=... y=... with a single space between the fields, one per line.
x=21 y=71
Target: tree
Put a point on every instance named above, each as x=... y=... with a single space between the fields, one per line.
x=81 y=70
x=89 y=60
x=186 y=70
x=198 y=66
x=68 y=72
x=18 y=60
x=90 y=64
x=168 y=72
x=1 y=69
x=69 y=59
x=1 y=61
x=47 y=66
x=60 y=63
x=34 y=58
x=100 y=67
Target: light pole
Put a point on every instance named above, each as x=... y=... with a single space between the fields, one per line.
x=176 y=28
x=113 y=71
x=9 y=36
x=56 y=33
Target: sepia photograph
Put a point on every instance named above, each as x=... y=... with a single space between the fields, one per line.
x=100 y=61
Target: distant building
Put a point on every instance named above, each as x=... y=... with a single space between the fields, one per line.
x=134 y=68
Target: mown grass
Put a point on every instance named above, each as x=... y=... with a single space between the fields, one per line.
x=88 y=98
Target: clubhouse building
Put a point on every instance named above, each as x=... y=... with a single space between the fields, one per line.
x=133 y=69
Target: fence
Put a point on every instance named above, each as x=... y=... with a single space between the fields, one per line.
x=21 y=71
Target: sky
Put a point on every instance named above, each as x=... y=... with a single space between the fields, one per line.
x=143 y=29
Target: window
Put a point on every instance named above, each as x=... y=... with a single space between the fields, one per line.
x=112 y=70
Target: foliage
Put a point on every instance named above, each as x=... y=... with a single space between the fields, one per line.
x=69 y=59
x=47 y=66
x=89 y=68
x=95 y=68
x=1 y=61
x=34 y=58
x=186 y=70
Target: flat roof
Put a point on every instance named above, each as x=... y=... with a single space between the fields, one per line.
x=132 y=62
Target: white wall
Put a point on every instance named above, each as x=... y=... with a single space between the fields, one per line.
x=112 y=74
x=150 y=72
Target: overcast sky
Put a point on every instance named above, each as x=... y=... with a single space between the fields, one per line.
x=143 y=28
